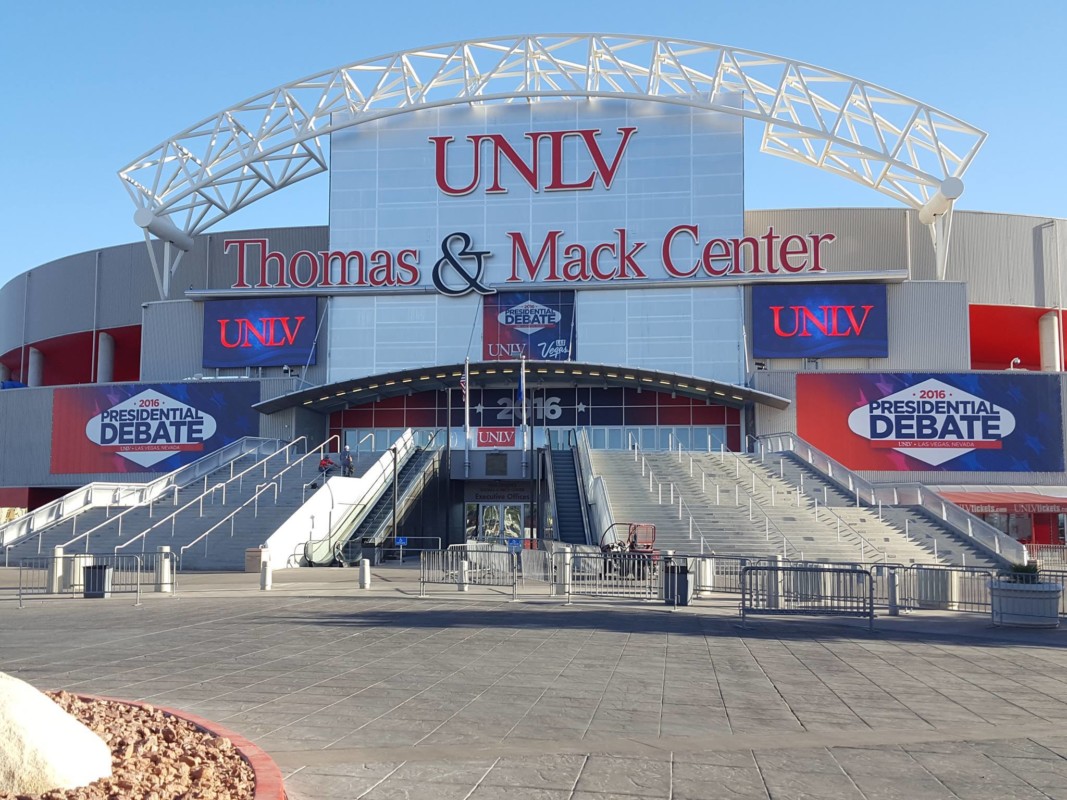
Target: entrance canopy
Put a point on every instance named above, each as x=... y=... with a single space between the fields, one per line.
x=497 y=374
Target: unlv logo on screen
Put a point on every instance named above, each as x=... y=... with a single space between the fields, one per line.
x=543 y=168
x=259 y=332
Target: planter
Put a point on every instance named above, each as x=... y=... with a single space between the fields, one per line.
x=1025 y=605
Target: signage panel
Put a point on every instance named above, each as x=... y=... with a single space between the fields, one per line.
x=260 y=332
x=820 y=321
x=536 y=325
x=566 y=194
x=148 y=427
x=909 y=422
x=499 y=438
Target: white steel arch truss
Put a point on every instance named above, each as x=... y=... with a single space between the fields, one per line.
x=869 y=134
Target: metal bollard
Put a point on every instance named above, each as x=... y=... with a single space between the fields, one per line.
x=55 y=571
x=464 y=575
x=163 y=570
x=364 y=573
x=891 y=590
x=265 y=573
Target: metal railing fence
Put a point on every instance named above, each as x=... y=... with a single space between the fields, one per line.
x=997 y=544
x=98 y=575
x=814 y=590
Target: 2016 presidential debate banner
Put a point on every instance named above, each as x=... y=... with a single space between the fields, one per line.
x=148 y=427
x=934 y=421
x=536 y=325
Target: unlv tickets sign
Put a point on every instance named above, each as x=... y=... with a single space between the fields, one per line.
x=969 y=422
x=260 y=332
x=557 y=194
x=147 y=427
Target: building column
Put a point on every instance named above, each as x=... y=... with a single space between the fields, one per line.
x=1048 y=328
x=105 y=358
x=36 y=368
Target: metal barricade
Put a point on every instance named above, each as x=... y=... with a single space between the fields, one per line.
x=813 y=590
x=473 y=565
x=88 y=574
x=622 y=574
x=1056 y=576
x=943 y=588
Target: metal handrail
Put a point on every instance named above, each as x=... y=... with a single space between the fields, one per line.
x=597 y=493
x=864 y=541
x=254 y=499
x=1003 y=548
x=172 y=517
x=377 y=487
x=58 y=510
x=550 y=481
x=583 y=501
x=431 y=468
x=219 y=462
x=753 y=504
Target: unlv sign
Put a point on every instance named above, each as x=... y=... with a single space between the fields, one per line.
x=541 y=168
x=269 y=332
x=820 y=321
x=499 y=438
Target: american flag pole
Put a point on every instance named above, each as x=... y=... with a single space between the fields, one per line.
x=522 y=402
x=465 y=385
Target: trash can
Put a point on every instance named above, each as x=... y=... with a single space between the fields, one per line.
x=677 y=586
x=96 y=578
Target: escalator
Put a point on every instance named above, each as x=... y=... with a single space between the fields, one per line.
x=376 y=526
x=570 y=519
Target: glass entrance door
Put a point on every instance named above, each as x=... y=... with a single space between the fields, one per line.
x=496 y=522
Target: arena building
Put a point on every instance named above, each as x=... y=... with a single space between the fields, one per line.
x=543 y=234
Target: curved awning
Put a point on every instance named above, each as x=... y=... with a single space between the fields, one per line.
x=500 y=374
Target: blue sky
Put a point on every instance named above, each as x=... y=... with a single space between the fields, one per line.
x=89 y=87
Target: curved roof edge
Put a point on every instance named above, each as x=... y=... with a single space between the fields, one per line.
x=497 y=374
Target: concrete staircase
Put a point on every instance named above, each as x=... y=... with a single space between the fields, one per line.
x=932 y=541
x=716 y=493
x=223 y=548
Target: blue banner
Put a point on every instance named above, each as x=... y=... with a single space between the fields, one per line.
x=260 y=332
x=824 y=320
x=536 y=325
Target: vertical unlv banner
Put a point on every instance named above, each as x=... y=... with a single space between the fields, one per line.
x=537 y=325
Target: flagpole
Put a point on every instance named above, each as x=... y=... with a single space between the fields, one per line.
x=522 y=400
x=466 y=418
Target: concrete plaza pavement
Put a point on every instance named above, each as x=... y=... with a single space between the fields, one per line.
x=381 y=694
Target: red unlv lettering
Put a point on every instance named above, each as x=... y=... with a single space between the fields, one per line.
x=827 y=320
x=530 y=171
x=267 y=331
x=496 y=437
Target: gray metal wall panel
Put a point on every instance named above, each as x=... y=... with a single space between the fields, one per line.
x=12 y=308
x=1000 y=256
x=25 y=439
x=170 y=340
x=125 y=283
x=60 y=297
x=921 y=313
x=867 y=238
